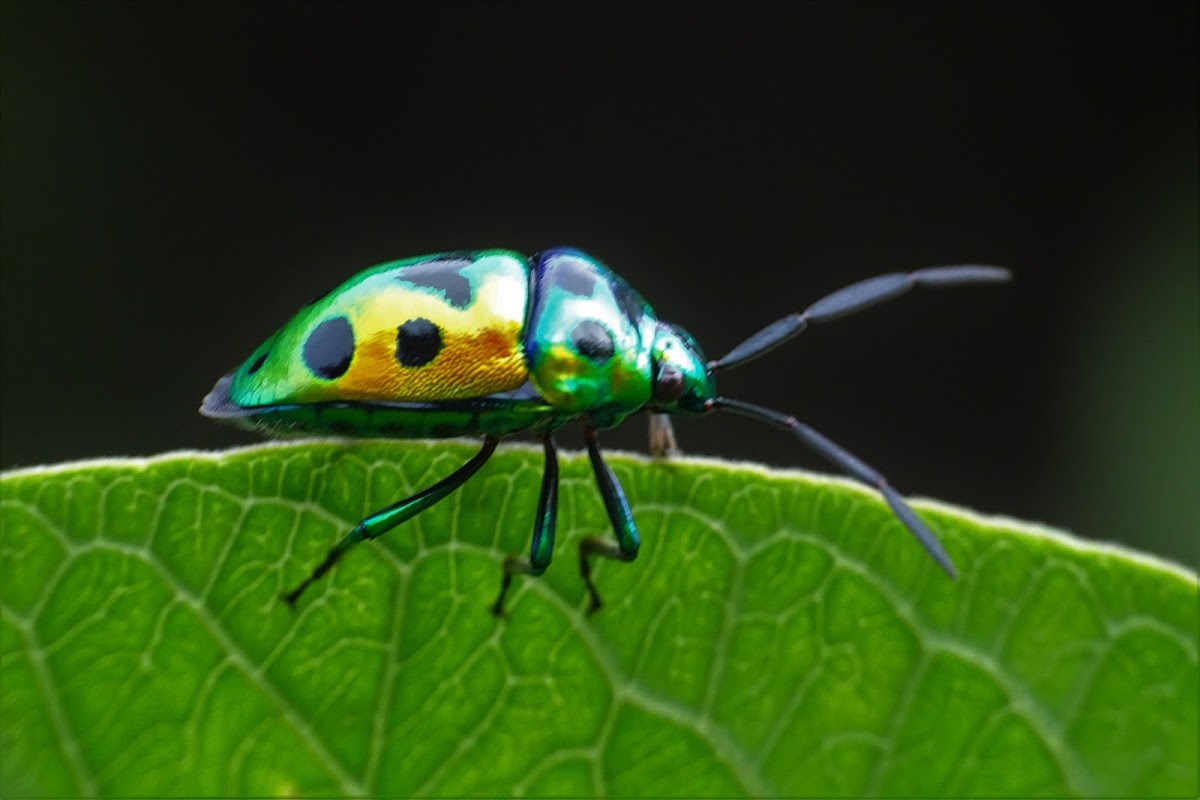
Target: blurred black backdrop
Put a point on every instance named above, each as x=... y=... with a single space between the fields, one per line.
x=179 y=178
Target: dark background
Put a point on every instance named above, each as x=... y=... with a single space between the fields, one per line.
x=179 y=178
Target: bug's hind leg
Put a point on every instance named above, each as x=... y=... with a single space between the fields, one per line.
x=542 y=549
x=385 y=519
x=662 y=437
x=628 y=542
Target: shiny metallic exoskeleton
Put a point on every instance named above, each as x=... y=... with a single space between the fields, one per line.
x=491 y=343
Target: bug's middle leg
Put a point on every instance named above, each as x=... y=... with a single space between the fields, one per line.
x=542 y=549
x=628 y=542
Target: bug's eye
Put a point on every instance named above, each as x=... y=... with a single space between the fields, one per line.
x=669 y=385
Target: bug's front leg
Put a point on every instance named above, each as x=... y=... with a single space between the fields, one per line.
x=542 y=549
x=628 y=542
x=662 y=437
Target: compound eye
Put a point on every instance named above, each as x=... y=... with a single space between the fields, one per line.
x=669 y=385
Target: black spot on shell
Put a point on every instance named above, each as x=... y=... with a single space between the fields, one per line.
x=443 y=276
x=444 y=431
x=328 y=350
x=592 y=340
x=418 y=342
x=573 y=277
x=396 y=429
x=258 y=362
x=342 y=428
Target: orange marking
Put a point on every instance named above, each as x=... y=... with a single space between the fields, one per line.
x=468 y=365
x=481 y=349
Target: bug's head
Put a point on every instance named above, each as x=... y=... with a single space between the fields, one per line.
x=682 y=382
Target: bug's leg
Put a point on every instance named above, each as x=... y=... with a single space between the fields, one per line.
x=662 y=437
x=852 y=466
x=542 y=549
x=385 y=519
x=626 y=548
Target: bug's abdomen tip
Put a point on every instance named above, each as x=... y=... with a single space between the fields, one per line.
x=219 y=404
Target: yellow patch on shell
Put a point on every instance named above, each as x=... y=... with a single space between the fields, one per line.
x=481 y=350
x=569 y=386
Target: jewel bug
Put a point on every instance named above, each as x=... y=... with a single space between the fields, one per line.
x=490 y=343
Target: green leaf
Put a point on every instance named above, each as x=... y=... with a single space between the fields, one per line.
x=781 y=634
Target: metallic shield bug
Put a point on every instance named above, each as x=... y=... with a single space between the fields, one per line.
x=489 y=343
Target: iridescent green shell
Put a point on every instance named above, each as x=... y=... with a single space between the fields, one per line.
x=440 y=327
x=589 y=337
x=484 y=342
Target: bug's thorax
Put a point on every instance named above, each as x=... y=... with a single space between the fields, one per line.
x=587 y=336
